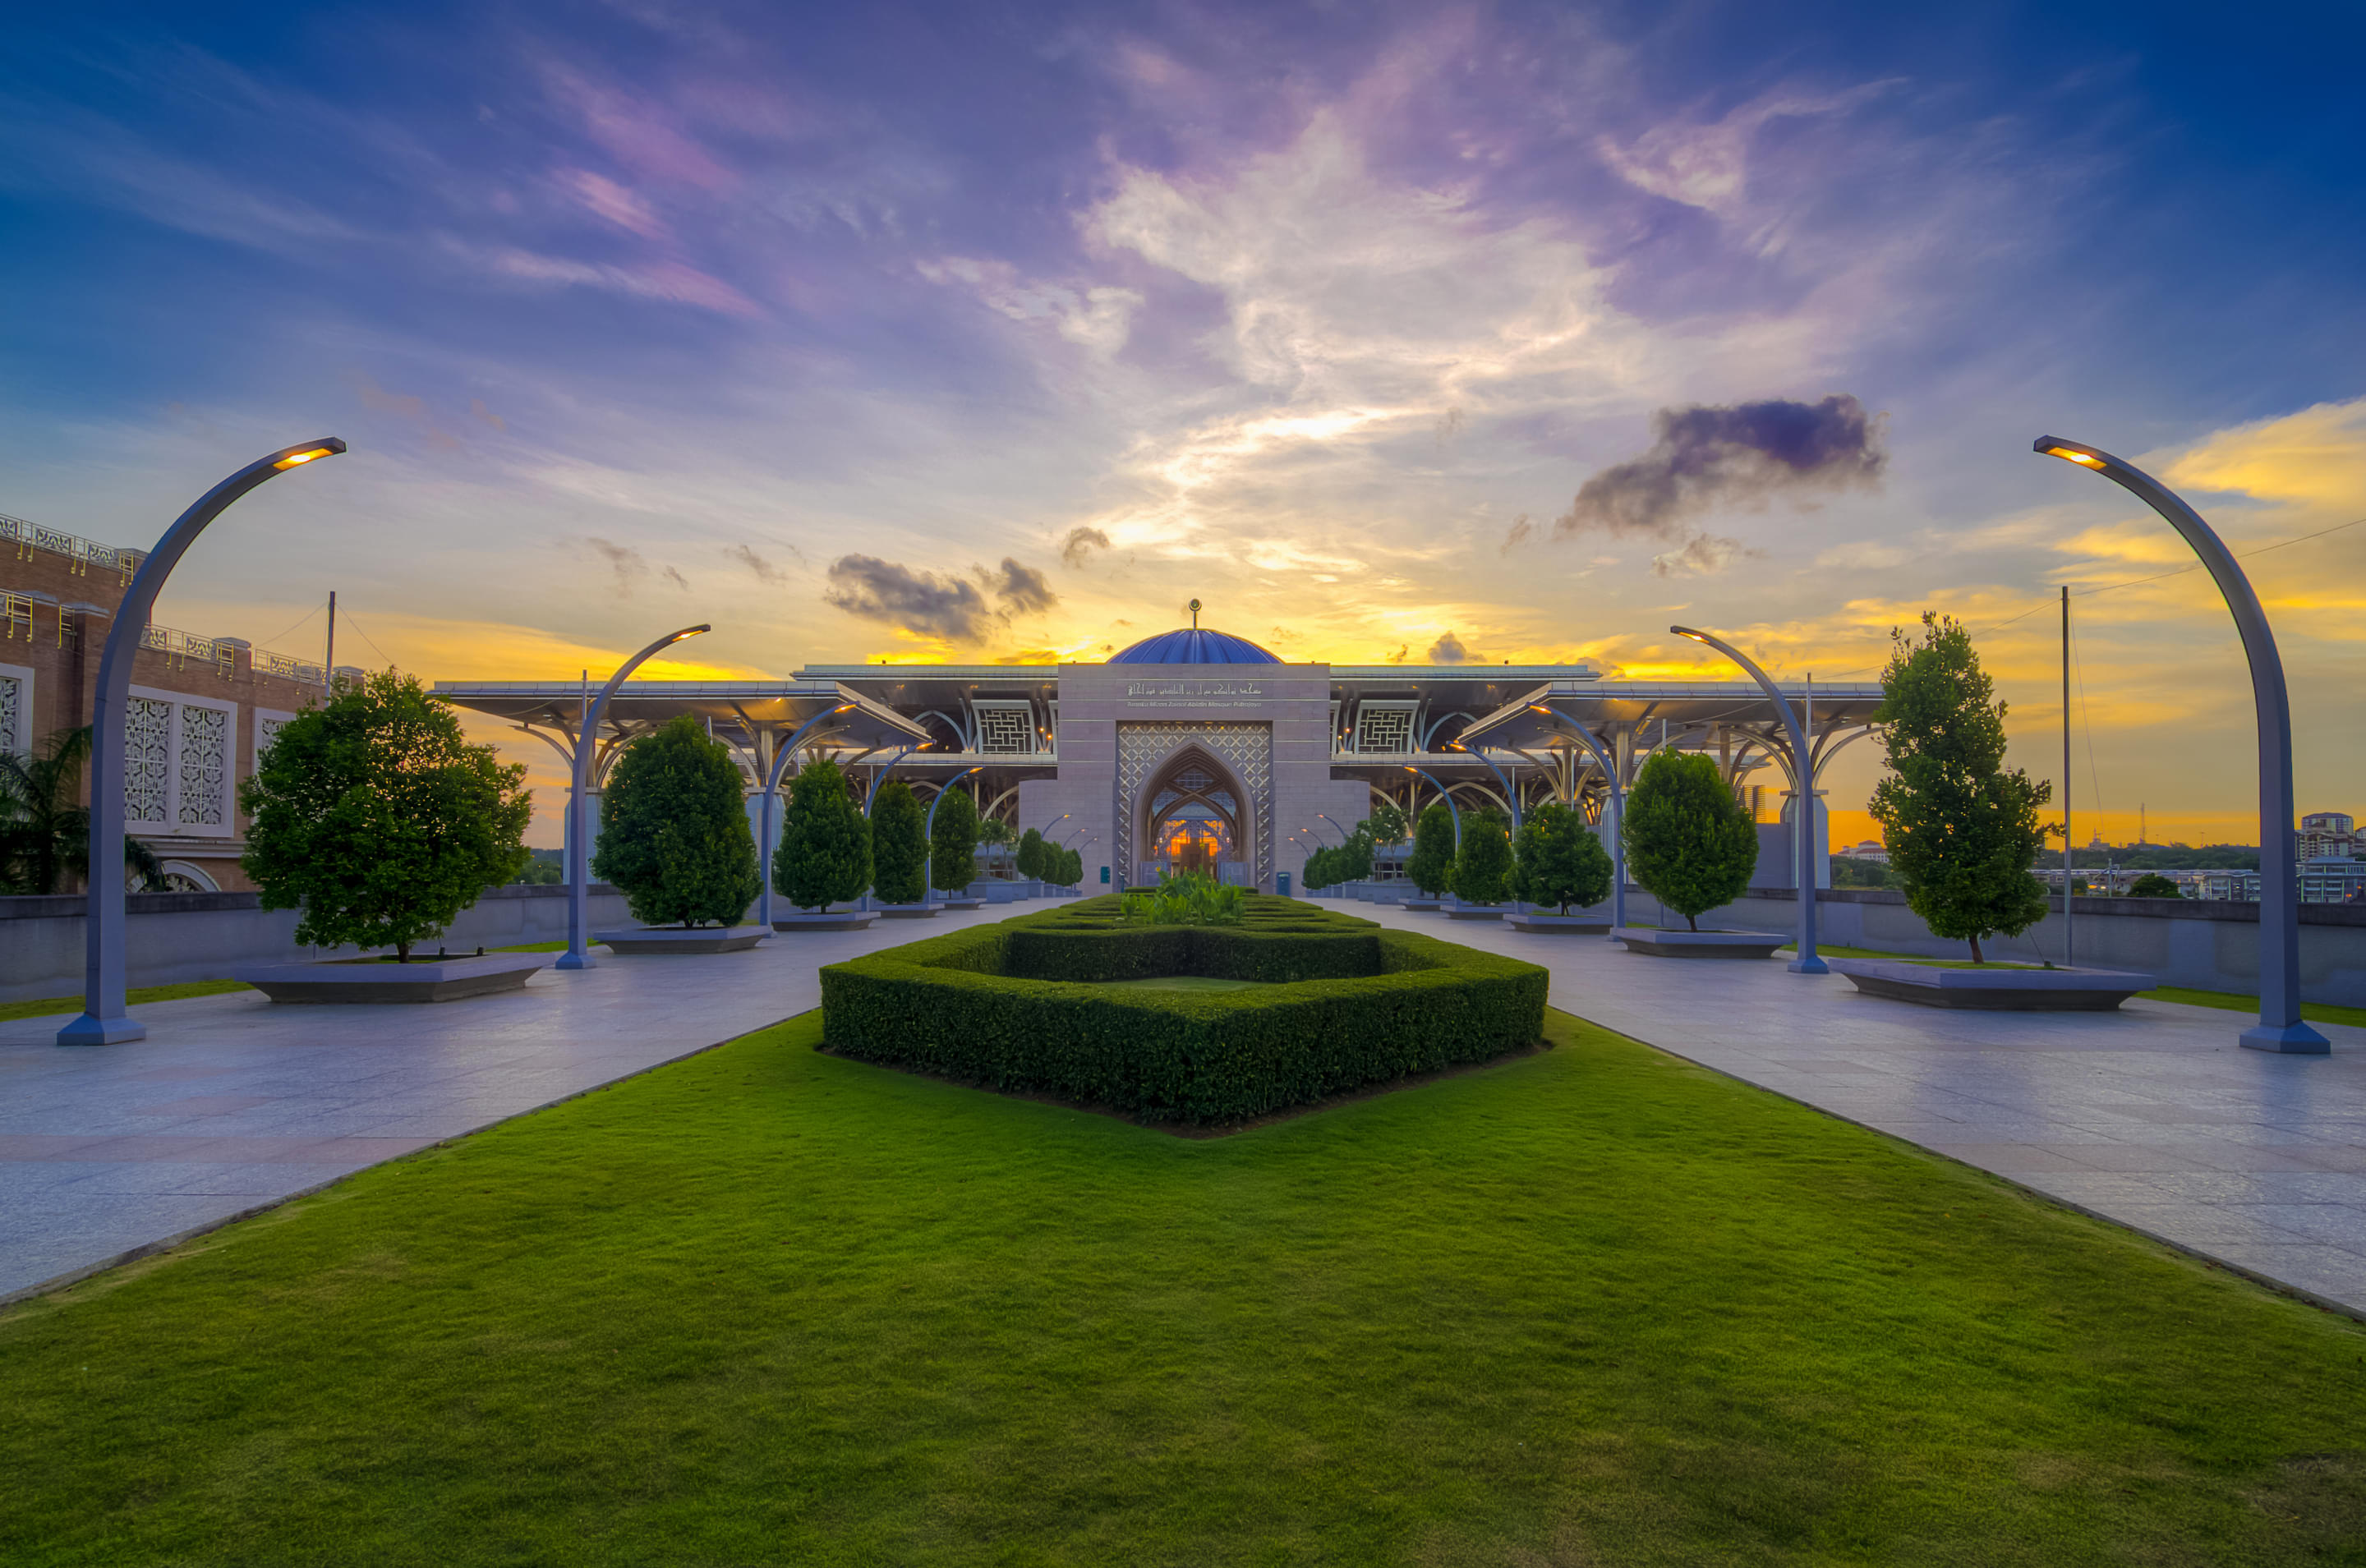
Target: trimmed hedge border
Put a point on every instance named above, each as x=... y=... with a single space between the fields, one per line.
x=1348 y=1003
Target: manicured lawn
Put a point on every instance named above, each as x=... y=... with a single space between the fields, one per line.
x=1594 y=1305
x=137 y=994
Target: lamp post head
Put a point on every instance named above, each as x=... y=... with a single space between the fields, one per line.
x=1688 y=632
x=690 y=632
x=2069 y=451
x=294 y=456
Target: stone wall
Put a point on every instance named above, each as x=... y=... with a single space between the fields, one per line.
x=173 y=936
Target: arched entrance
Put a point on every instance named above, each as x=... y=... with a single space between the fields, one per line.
x=1195 y=795
x=1193 y=818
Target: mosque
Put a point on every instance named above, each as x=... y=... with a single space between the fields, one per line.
x=1195 y=748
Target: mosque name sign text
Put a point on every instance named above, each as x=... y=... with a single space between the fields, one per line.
x=1193 y=693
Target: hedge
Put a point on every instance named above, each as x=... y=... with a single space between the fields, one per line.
x=1011 y=1006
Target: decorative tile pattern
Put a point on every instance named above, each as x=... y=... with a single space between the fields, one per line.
x=205 y=763
x=1006 y=730
x=148 y=762
x=14 y=718
x=267 y=730
x=1245 y=748
x=1387 y=731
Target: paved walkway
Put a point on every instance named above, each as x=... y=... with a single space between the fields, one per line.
x=231 y=1105
x=2152 y=1115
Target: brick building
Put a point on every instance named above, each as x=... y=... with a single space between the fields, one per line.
x=201 y=706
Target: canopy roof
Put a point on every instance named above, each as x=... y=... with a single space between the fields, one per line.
x=748 y=714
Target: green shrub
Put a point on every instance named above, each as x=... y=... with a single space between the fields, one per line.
x=1483 y=864
x=673 y=829
x=1560 y=861
x=1187 y=899
x=1431 y=866
x=953 y=842
x=1689 y=843
x=825 y=853
x=1030 y=861
x=1011 y=1006
x=2152 y=885
x=899 y=845
x=377 y=818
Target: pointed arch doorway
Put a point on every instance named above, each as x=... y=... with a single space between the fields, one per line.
x=1196 y=796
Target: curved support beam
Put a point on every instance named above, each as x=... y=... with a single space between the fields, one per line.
x=1444 y=795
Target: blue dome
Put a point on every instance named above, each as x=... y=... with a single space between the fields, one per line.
x=1192 y=645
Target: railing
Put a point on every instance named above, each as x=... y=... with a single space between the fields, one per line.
x=84 y=553
x=17 y=615
x=186 y=647
x=290 y=669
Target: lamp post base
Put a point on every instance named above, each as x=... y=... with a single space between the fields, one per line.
x=575 y=960
x=2289 y=1040
x=89 y=1031
x=1808 y=966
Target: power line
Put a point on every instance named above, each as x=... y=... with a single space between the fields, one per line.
x=296 y=627
x=367 y=638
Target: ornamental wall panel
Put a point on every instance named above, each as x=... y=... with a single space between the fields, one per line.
x=148 y=764
x=1144 y=751
x=178 y=774
x=15 y=710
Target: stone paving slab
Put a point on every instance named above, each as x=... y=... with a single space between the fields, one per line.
x=2152 y=1115
x=233 y=1104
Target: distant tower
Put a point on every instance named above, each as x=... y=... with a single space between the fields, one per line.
x=2143 y=834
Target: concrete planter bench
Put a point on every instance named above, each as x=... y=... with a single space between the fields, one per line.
x=908 y=911
x=1474 y=912
x=1699 y=944
x=825 y=921
x=1427 y=906
x=1568 y=925
x=674 y=940
x=372 y=981
x=964 y=901
x=1998 y=987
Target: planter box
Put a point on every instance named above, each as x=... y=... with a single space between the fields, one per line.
x=963 y=902
x=421 y=981
x=1475 y=912
x=1571 y=925
x=673 y=939
x=1998 y=987
x=1427 y=906
x=825 y=921
x=1700 y=944
x=908 y=911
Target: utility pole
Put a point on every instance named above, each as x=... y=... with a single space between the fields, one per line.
x=329 y=675
x=2069 y=958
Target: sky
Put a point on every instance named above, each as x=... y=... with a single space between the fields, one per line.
x=1435 y=333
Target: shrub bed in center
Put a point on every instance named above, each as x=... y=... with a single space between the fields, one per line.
x=1343 y=1004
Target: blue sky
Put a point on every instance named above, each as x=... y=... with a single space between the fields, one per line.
x=981 y=332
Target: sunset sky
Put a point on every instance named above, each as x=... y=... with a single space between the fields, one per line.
x=997 y=332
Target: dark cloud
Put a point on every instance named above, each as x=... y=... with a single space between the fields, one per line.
x=1022 y=588
x=677 y=578
x=765 y=571
x=1448 y=649
x=1522 y=531
x=626 y=561
x=1399 y=656
x=1704 y=457
x=1698 y=556
x=916 y=601
x=1080 y=545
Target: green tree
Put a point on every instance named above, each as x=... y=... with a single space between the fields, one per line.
x=1030 y=861
x=2152 y=885
x=1431 y=866
x=1354 y=858
x=45 y=830
x=953 y=842
x=1482 y=865
x=1560 y=861
x=1072 y=868
x=1961 y=828
x=899 y=845
x=375 y=816
x=825 y=853
x=1689 y=843
x=1316 y=874
x=1386 y=825
x=996 y=835
x=673 y=829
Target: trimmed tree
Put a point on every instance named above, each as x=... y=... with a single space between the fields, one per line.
x=1316 y=874
x=1072 y=868
x=1431 y=866
x=953 y=842
x=1030 y=861
x=2152 y=885
x=996 y=835
x=1689 y=843
x=673 y=829
x=899 y=845
x=825 y=853
x=1483 y=867
x=1386 y=825
x=377 y=818
x=1560 y=860
x=1961 y=828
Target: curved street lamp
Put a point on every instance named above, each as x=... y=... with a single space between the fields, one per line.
x=579 y=847
x=103 y=1020
x=772 y=805
x=1511 y=795
x=1804 y=826
x=2279 y=1027
x=1444 y=794
x=928 y=828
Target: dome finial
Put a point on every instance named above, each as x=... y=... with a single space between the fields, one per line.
x=1194 y=607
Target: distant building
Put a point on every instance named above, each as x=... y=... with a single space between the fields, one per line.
x=202 y=708
x=2333 y=879
x=1872 y=850
x=2324 y=834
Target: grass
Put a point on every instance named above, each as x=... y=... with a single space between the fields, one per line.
x=765 y=1305
x=2230 y=1001
x=43 y=1006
